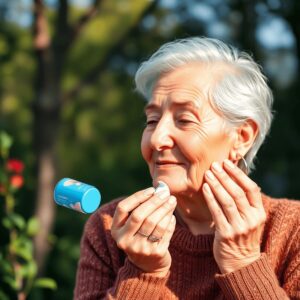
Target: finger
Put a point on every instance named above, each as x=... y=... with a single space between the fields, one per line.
x=158 y=221
x=231 y=186
x=162 y=226
x=249 y=186
x=165 y=241
x=161 y=233
x=138 y=215
x=217 y=213
x=225 y=201
x=125 y=206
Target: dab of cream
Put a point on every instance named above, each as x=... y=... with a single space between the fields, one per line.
x=162 y=187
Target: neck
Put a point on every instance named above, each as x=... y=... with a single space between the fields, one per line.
x=194 y=213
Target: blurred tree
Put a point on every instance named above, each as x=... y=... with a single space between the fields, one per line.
x=51 y=53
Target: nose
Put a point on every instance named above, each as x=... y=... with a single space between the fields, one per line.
x=163 y=135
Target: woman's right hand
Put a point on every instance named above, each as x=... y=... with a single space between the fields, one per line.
x=142 y=227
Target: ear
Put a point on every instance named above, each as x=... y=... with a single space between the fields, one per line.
x=244 y=138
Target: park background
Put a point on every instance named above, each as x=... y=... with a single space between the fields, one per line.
x=68 y=102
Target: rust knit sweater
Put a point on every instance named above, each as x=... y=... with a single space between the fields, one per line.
x=105 y=273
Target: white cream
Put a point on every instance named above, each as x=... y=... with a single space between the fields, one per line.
x=162 y=187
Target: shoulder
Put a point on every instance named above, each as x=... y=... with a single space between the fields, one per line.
x=283 y=209
x=281 y=236
x=283 y=222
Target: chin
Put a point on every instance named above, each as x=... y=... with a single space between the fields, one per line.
x=176 y=186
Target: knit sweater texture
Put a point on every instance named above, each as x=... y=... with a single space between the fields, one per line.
x=104 y=271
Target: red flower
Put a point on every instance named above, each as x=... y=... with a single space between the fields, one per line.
x=15 y=165
x=16 y=181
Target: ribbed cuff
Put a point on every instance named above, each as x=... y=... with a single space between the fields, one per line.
x=255 y=281
x=132 y=283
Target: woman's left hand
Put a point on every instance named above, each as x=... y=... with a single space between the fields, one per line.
x=235 y=204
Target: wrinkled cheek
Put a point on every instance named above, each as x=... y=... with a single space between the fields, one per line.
x=197 y=152
x=193 y=147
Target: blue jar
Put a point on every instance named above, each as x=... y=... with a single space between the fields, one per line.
x=77 y=195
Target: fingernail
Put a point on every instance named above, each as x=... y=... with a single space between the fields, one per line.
x=163 y=194
x=149 y=191
x=217 y=167
x=172 y=200
x=210 y=175
x=229 y=163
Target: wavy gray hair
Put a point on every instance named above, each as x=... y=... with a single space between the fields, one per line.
x=239 y=96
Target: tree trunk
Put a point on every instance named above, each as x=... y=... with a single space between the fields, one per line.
x=46 y=124
x=46 y=109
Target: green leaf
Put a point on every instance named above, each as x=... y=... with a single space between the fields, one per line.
x=32 y=226
x=32 y=269
x=14 y=220
x=10 y=281
x=23 y=248
x=6 y=267
x=5 y=143
x=7 y=223
x=47 y=283
x=17 y=220
x=29 y=270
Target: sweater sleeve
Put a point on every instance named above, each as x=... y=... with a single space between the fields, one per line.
x=97 y=278
x=132 y=283
x=258 y=280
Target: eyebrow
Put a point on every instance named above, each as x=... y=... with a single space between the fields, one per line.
x=152 y=106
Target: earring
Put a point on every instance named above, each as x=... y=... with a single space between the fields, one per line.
x=244 y=166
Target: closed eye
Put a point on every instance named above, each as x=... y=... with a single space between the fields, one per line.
x=186 y=118
x=185 y=121
x=151 y=122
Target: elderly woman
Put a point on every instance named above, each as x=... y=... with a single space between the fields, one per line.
x=216 y=236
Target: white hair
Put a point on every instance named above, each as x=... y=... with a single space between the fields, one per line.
x=242 y=93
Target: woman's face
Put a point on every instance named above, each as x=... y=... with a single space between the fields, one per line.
x=184 y=135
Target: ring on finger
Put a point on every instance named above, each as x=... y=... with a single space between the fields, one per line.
x=142 y=234
x=153 y=238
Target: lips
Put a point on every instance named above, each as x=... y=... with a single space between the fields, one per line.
x=167 y=163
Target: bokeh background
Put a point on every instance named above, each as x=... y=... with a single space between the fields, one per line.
x=67 y=99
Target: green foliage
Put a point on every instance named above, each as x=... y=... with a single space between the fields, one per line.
x=45 y=283
x=32 y=227
x=5 y=143
x=18 y=269
x=99 y=36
